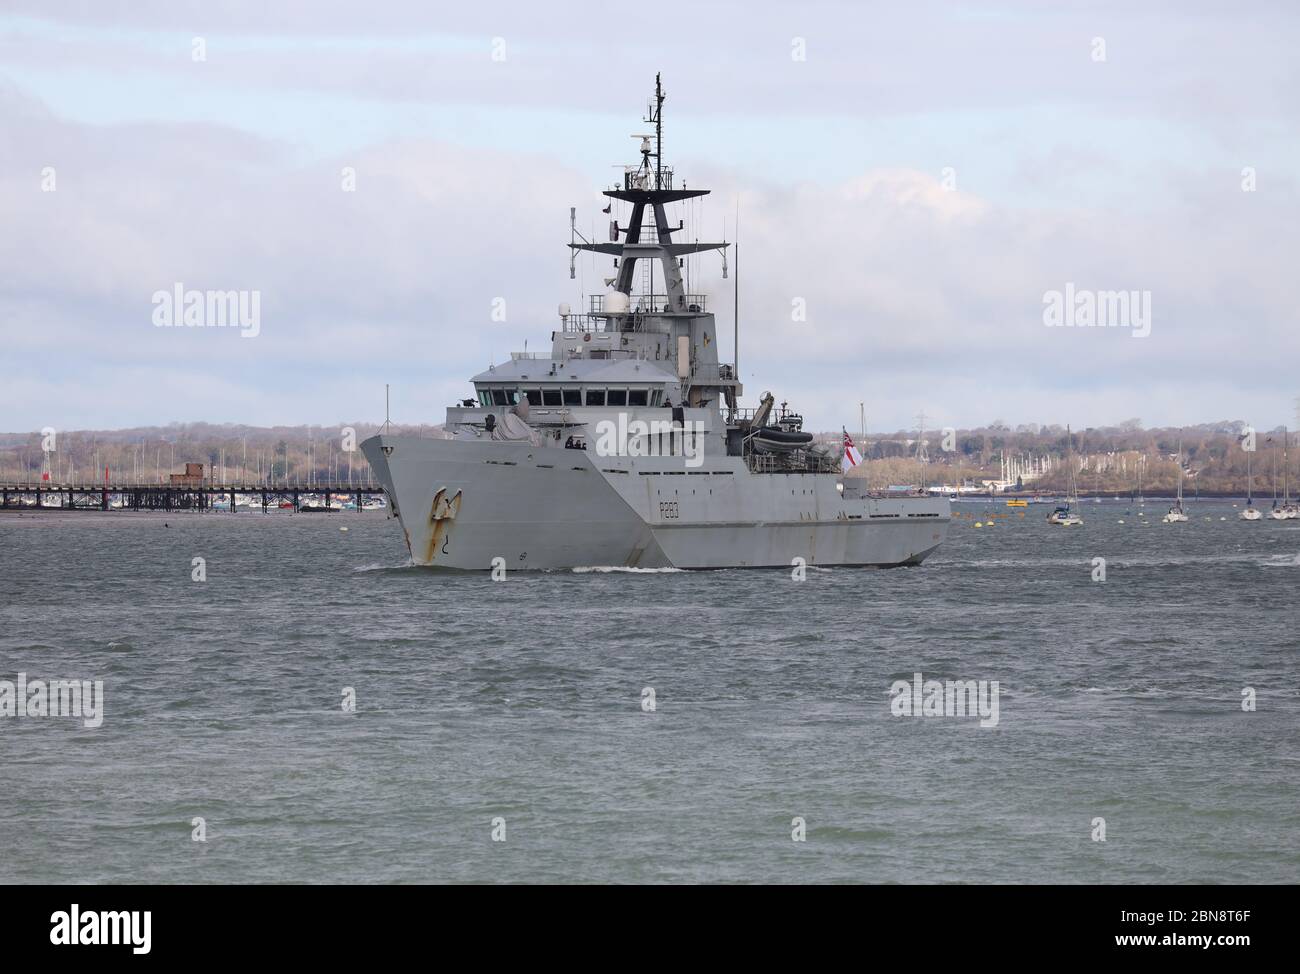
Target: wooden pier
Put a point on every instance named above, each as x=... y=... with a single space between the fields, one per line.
x=218 y=498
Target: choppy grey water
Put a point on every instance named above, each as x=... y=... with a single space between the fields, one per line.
x=522 y=700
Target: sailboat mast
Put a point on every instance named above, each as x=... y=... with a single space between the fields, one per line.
x=1274 y=452
x=1180 y=475
x=1069 y=456
x=1286 y=479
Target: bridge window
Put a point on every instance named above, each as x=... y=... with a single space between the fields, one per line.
x=534 y=397
x=617 y=397
x=638 y=397
x=595 y=397
x=550 y=397
x=485 y=397
x=573 y=397
x=499 y=397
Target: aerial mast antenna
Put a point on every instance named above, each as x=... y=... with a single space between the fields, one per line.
x=735 y=301
x=658 y=119
x=659 y=131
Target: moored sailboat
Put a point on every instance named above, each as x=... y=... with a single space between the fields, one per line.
x=1063 y=515
x=1251 y=513
x=1176 y=513
x=1288 y=510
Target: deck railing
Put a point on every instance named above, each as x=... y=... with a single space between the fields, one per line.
x=652 y=304
x=799 y=461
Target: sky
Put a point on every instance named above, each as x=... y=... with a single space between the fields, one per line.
x=913 y=183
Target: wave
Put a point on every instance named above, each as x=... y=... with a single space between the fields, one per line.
x=1282 y=561
x=603 y=569
x=1153 y=561
x=375 y=566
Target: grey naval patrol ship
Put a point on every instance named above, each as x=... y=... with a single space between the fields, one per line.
x=626 y=445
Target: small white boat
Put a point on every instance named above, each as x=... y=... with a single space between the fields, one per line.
x=1064 y=517
x=1251 y=513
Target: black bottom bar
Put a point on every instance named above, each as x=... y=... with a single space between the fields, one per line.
x=950 y=927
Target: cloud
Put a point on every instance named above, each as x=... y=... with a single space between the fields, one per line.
x=916 y=295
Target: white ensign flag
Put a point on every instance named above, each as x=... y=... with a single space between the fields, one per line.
x=851 y=455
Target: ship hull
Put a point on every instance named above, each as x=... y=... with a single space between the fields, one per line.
x=478 y=505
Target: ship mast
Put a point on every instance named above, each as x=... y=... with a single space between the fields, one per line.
x=649 y=189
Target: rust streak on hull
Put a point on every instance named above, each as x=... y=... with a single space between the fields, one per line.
x=442 y=512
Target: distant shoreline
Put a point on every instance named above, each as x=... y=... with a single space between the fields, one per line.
x=1155 y=495
x=178 y=512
